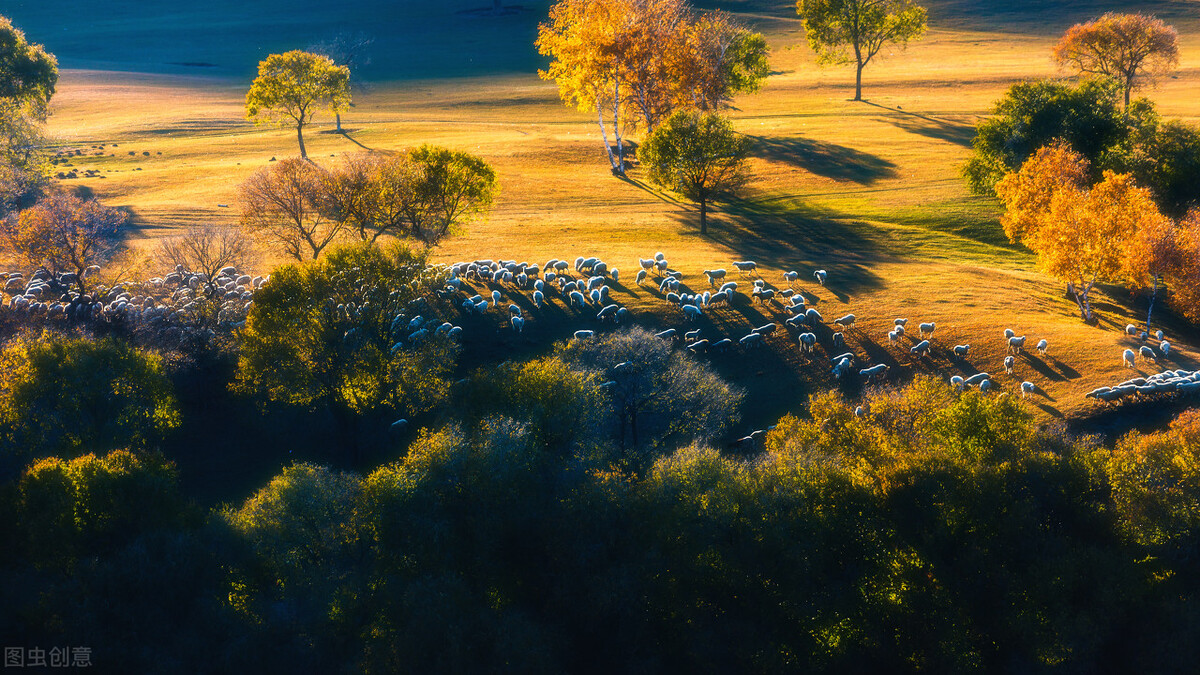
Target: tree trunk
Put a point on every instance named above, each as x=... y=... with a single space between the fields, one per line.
x=703 y=215
x=617 y=126
x=633 y=427
x=338 y=116
x=300 y=138
x=858 y=82
x=604 y=135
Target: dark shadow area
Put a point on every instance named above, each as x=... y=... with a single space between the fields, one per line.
x=1043 y=368
x=824 y=159
x=958 y=133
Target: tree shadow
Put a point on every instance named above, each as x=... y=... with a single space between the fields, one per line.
x=958 y=133
x=824 y=159
x=1042 y=368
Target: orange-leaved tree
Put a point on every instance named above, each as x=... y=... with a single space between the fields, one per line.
x=1152 y=255
x=1184 y=278
x=1027 y=192
x=66 y=233
x=1128 y=48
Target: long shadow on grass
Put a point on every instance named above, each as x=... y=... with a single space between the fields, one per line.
x=958 y=133
x=788 y=235
x=824 y=159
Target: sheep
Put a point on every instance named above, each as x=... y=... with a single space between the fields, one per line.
x=661 y=265
x=859 y=411
x=752 y=340
x=839 y=341
x=659 y=257
x=874 y=372
x=399 y=425
x=1128 y=358
x=808 y=341
x=1027 y=388
x=1164 y=346
x=787 y=293
x=730 y=286
x=790 y=277
x=985 y=386
x=562 y=266
x=539 y=299
x=1009 y=333
x=920 y=349
x=609 y=311
x=518 y=324
x=584 y=334
x=647 y=265
x=842 y=367
x=746 y=266
x=1131 y=329
x=1158 y=335
x=615 y=274
x=764 y=296
x=600 y=269
x=927 y=328
x=698 y=346
x=496 y=298
x=958 y=382
x=766 y=330
x=691 y=335
x=1009 y=363
x=577 y=299
x=820 y=276
x=1016 y=344
x=894 y=336
x=795 y=321
x=621 y=315
x=977 y=378
x=900 y=322
x=596 y=296
x=668 y=334
x=714 y=276
x=1147 y=353
x=813 y=317
x=640 y=277
x=845 y=321
x=960 y=351
x=1042 y=346
x=514 y=310
x=691 y=312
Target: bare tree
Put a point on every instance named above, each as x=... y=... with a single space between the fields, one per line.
x=205 y=250
x=281 y=204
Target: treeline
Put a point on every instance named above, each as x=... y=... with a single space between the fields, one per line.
x=938 y=532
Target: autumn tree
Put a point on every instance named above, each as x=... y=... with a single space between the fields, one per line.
x=855 y=31
x=292 y=87
x=1027 y=193
x=66 y=233
x=1151 y=255
x=205 y=250
x=1184 y=277
x=282 y=204
x=1129 y=48
x=697 y=155
x=726 y=58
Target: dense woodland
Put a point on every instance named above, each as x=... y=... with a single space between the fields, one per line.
x=375 y=500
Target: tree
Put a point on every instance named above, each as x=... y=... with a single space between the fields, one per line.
x=333 y=334
x=854 y=31
x=1033 y=114
x=726 y=59
x=282 y=204
x=1166 y=159
x=28 y=74
x=452 y=187
x=292 y=87
x=205 y=250
x=63 y=397
x=698 y=155
x=1151 y=255
x=662 y=397
x=349 y=50
x=1128 y=48
x=1027 y=193
x=1184 y=278
x=65 y=232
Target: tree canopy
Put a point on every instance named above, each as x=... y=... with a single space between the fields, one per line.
x=1128 y=48
x=284 y=205
x=66 y=233
x=28 y=74
x=292 y=87
x=855 y=31
x=697 y=155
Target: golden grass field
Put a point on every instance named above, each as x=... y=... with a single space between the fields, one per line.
x=869 y=191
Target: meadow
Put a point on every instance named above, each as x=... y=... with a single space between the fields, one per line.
x=869 y=191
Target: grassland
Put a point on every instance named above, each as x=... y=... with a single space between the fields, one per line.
x=869 y=191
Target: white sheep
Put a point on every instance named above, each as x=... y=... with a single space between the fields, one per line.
x=1016 y=345
x=813 y=317
x=845 y=321
x=1128 y=358
x=1027 y=388
x=691 y=312
x=927 y=328
x=900 y=322
x=641 y=276
x=514 y=310
x=894 y=336
x=1147 y=353
x=1164 y=346
x=808 y=341
x=585 y=334
x=518 y=324
x=874 y=372
x=1009 y=333
x=985 y=386
x=647 y=265
x=977 y=378
x=960 y=351
x=1009 y=363
x=691 y=335
x=920 y=349
x=766 y=329
x=751 y=340
x=698 y=346
x=539 y=299
x=1158 y=335
x=958 y=382
x=1042 y=346
x=714 y=276
x=659 y=257
x=820 y=276
x=1131 y=329
x=668 y=334
x=791 y=276
x=746 y=266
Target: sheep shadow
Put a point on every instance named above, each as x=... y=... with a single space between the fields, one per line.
x=1042 y=368
x=828 y=160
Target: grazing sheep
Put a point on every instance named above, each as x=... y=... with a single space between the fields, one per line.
x=647 y=265
x=859 y=411
x=1027 y=388
x=845 y=321
x=518 y=324
x=977 y=378
x=1131 y=329
x=691 y=335
x=746 y=266
x=1128 y=358
x=958 y=382
x=927 y=328
x=894 y=336
x=496 y=298
x=659 y=257
x=585 y=334
x=920 y=349
x=691 y=312
x=668 y=334
x=985 y=386
x=813 y=317
x=900 y=322
x=1009 y=333
x=1147 y=353
x=839 y=341
x=790 y=277
x=767 y=329
x=808 y=341
x=728 y=286
x=752 y=340
x=1016 y=345
x=874 y=372
x=960 y=351
x=1009 y=362
x=641 y=276
x=820 y=276
x=714 y=276
x=577 y=299
x=764 y=295
x=609 y=311
x=842 y=367
x=615 y=274
x=1042 y=346
x=539 y=299
x=721 y=346
x=1158 y=335
x=1164 y=346
x=514 y=310
x=698 y=346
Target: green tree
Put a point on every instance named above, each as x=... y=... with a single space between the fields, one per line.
x=334 y=334
x=65 y=396
x=28 y=76
x=451 y=187
x=854 y=31
x=660 y=396
x=292 y=87
x=697 y=155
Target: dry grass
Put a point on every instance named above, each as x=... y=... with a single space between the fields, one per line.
x=869 y=191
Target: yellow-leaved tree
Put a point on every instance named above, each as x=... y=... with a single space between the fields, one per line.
x=292 y=87
x=1128 y=48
